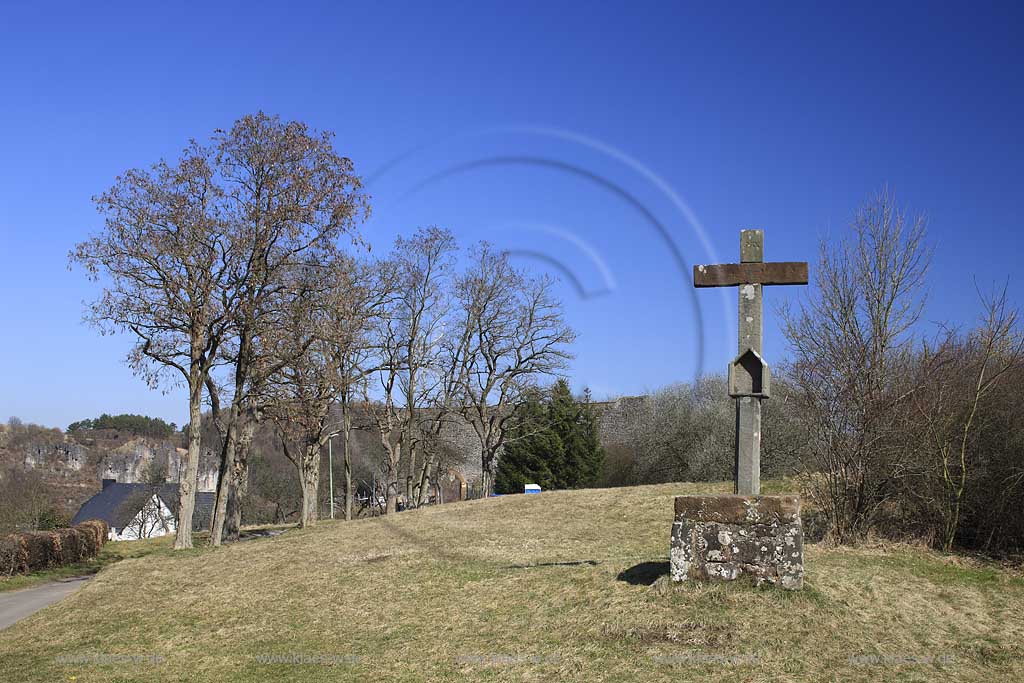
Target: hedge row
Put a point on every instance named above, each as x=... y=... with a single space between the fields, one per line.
x=28 y=552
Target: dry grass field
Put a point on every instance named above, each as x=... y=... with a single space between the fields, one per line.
x=564 y=586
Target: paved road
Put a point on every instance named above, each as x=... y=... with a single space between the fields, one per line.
x=16 y=605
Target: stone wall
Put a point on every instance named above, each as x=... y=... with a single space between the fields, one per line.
x=460 y=444
x=617 y=419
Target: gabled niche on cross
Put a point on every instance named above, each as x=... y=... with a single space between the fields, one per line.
x=749 y=375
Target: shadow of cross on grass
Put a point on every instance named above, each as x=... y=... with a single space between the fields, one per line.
x=566 y=563
x=644 y=574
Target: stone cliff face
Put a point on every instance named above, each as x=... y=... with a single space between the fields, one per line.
x=67 y=455
x=74 y=465
x=130 y=462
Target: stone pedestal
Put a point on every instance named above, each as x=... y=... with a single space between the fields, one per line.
x=722 y=537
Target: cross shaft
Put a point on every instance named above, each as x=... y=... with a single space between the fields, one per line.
x=750 y=275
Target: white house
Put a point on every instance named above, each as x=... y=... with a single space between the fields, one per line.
x=136 y=511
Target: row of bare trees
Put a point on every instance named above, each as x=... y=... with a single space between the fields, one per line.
x=229 y=269
x=905 y=429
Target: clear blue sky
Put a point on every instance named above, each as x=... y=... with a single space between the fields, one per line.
x=565 y=132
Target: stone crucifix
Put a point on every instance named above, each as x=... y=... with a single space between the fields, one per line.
x=749 y=378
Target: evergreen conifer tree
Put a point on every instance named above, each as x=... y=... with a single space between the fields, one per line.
x=530 y=449
x=553 y=442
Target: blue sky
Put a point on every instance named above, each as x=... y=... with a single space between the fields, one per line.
x=607 y=143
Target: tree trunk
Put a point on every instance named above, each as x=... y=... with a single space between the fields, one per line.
x=394 y=455
x=233 y=514
x=224 y=480
x=348 y=462
x=487 y=472
x=490 y=442
x=188 y=471
x=423 y=494
x=240 y=477
x=392 y=493
x=309 y=475
x=410 y=471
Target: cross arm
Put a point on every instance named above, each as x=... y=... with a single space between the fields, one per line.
x=731 y=274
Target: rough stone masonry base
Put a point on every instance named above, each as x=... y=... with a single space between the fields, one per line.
x=722 y=537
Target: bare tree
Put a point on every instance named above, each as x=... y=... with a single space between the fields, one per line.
x=351 y=322
x=441 y=402
x=510 y=333
x=407 y=340
x=289 y=197
x=147 y=511
x=851 y=342
x=956 y=377
x=272 y=490
x=25 y=499
x=151 y=518
x=308 y=383
x=165 y=260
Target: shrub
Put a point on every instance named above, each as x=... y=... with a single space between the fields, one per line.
x=96 y=532
x=23 y=552
x=40 y=550
x=13 y=559
x=71 y=544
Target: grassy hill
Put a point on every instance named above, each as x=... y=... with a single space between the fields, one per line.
x=564 y=586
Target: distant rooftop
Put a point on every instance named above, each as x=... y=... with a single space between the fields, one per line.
x=116 y=504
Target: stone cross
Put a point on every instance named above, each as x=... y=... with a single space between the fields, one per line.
x=749 y=379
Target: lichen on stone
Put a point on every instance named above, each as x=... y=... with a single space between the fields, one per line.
x=726 y=537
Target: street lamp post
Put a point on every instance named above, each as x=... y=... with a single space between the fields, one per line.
x=330 y=467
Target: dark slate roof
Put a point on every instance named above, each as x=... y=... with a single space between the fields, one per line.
x=117 y=503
